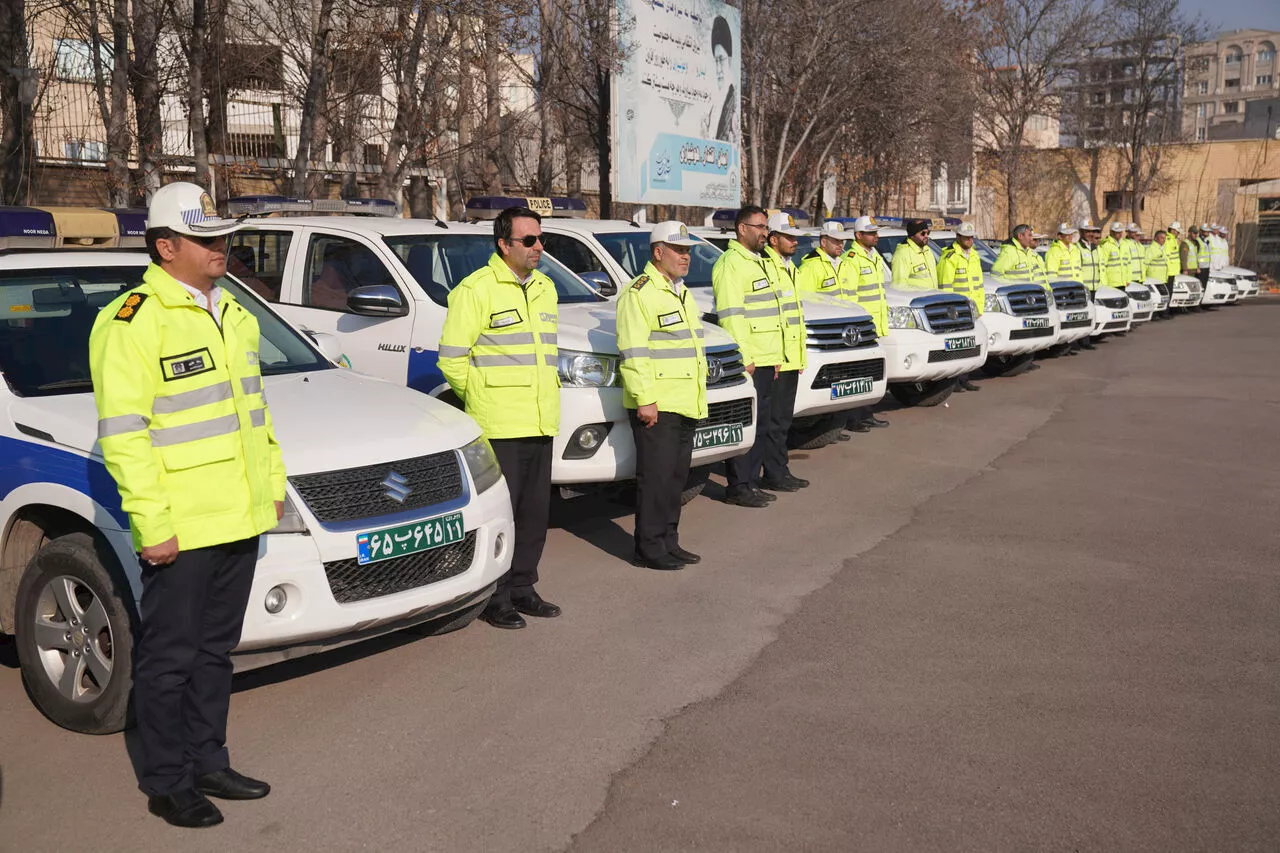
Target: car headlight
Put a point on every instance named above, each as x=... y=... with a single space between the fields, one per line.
x=995 y=304
x=291 y=520
x=903 y=317
x=482 y=463
x=587 y=369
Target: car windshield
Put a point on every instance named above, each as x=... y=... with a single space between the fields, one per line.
x=48 y=314
x=439 y=261
x=631 y=250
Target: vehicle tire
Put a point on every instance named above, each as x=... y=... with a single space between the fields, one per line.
x=75 y=621
x=815 y=432
x=450 y=623
x=697 y=481
x=1008 y=365
x=923 y=394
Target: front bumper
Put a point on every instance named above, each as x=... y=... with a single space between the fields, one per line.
x=914 y=355
x=1216 y=292
x=313 y=620
x=1073 y=325
x=1108 y=321
x=1009 y=334
x=835 y=380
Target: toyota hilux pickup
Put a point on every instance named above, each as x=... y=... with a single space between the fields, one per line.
x=381 y=285
x=396 y=514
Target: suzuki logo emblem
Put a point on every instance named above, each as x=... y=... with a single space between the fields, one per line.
x=395 y=487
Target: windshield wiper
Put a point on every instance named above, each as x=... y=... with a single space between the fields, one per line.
x=62 y=384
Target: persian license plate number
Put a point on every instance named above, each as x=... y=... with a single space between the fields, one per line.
x=961 y=343
x=1077 y=316
x=717 y=436
x=423 y=535
x=1036 y=323
x=849 y=387
x=1119 y=315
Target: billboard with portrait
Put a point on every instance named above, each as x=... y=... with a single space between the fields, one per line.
x=676 y=105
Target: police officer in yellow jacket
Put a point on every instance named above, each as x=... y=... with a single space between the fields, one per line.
x=1016 y=262
x=1172 y=254
x=1091 y=262
x=750 y=307
x=185 y=432
x=779 y=260
x=1136 y=252
x=960 y=271
x=1115 y=264
x=914 y=266
x=872 y=271
x=823 y=271
x=1062 y=261
x=498 y=352
x=664 y=388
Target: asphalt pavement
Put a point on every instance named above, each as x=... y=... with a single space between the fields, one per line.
x=1043 y=617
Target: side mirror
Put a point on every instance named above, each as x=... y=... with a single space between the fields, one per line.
x=376 y=300
x=600 y=281
x=330 y=346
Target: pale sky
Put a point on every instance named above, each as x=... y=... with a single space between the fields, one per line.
x=1237 y=14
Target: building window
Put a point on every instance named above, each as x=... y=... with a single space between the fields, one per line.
x=1266 y=52
x=1200 y=134
x=1233 y=83
x=1262 y=80
x=1199 y=65
x=959 y=192
x=85 y=151
x=254 y=66
x=1233 y=57
x=73 y=59
x=1098 y=98
x=1202 y=88
x=1231 y=107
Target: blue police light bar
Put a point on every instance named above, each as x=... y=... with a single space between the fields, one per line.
x=724 y=217
x=132 y=223
x=26 y=228
x=263 y=205
x=951 y=221
x=489 y=206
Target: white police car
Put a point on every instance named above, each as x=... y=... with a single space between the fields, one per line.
x=381 y=284
x=397 y=513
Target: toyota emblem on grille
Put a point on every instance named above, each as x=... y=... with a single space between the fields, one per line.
x=396 y=487
x=953 y=313
x=850 y=336
x=715 y=371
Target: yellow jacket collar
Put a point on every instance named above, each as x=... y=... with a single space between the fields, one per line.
x=505 y=274
x=170 y=292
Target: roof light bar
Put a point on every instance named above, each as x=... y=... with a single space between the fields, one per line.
x=489 y=206
x=26 y=228
x=263 y=205
x=84 y=228
x=725 y=216
x=132 y=224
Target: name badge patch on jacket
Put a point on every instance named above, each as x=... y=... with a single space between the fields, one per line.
x=919 y=268
x=865 y=271
x=760 y=285
x=504 y=318
x=188 y=364
x=669 y=319
x=830 y=282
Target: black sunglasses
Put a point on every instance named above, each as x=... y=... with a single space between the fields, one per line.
x=207 y=242
x=528 y=241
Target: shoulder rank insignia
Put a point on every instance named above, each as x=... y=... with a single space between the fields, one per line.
x=130 y=307
x=640 y=282
x=812 y=254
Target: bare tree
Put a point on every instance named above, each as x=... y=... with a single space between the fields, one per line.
x=149 y=18
x=17 y=94
x=1024 y=48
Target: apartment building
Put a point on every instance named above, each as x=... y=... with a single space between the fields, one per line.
x=1112 y=85
x=1226 y=81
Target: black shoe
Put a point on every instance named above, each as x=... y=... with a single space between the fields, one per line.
x=797 y=481
x=532 y=604
x=783 y=484
x=503 y=615
x=1033 y=366
x=860 y=426
x=665 y=563
x=188 y=808
x=843 y=436
x=769 y=496
x=746 y=497
x=1087 y=346
x=229 y=785
x=966 y=385
x=686 y=557
x=873 y=421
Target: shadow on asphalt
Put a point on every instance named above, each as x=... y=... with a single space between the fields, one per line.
x=8 y=651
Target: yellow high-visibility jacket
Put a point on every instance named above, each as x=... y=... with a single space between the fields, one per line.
x=182 y=422
x=870 y=268
x=1173 y=259
x=1063 y=261
x=499 y=354
x=1136 y=256
x=660 y=337
x=914 y=267
x=962 y=273
x=1115 y=267
x=749 y=305
x=794 y=338
x=1091 y=266
x=819 y=274
x=1157 y=262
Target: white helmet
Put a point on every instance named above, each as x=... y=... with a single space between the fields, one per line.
x=187 y=209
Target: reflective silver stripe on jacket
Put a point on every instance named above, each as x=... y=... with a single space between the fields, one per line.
x=121 y=424
x=195 y=398
x=258 y=417
x=527 y=359
x=635 y=352
x=251 y=384
x=169 y=436
x=551 y=338
x=766 y=296
x=449 y=351
x=677 y=352
x=551 y=359
x=673 y=335
x=731 y=312
x=768 y=311
x=505 y=339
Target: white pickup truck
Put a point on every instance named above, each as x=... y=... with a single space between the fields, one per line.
x=396 y=515
x=846 y=365
x=381 y=286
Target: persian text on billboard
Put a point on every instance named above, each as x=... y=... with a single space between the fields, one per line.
x=676 y=106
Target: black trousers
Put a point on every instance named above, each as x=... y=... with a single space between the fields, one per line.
x=526 y=463
x=663 y=453
x=781 y=411
x=743 y=472
x=191 y=614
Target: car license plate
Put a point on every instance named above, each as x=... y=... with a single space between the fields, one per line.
x=1036 y=323
x=849 y=387
x=1119 y=315
x=1078 y=316
x=961 y=343
x=717 y=436
x=409 y=538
